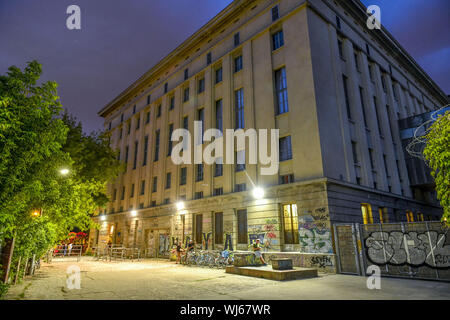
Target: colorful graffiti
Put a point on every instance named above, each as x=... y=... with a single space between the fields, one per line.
x=314 y=232
x=206 y=240
x=164 y=244
x=411 y=248
x=265 y=233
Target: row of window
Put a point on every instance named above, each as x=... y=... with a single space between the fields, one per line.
x=277 y=42
x=383 y=215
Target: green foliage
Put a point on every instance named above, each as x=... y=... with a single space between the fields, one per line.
x=37 y=140
x=437 y=152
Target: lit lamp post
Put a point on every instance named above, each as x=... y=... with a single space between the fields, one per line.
x=64 y=171
x=36 y=213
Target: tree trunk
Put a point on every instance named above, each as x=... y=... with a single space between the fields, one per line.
x=7 y=252
x=18 y=270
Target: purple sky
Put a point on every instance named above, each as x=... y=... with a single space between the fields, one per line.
x=122 y=39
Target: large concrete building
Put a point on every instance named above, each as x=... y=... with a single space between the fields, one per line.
x=313 y=70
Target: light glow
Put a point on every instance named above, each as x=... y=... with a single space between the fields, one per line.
x=258 y=193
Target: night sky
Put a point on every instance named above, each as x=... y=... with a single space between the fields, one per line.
x=121 y=39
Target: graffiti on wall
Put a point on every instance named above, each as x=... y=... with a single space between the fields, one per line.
x=206 y=242
x=265 y=233
x=228 y=242
x=411 y=248
x=314 y=232
x=323 y=262
x=164 y=244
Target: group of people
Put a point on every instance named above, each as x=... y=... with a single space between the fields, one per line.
x=256 y=248
x=65 y=247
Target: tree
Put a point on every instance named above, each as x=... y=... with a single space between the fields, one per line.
x=37 y=140
x=437 y=153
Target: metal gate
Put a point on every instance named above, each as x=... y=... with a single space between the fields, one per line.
x=346 y=244
x=418 y=250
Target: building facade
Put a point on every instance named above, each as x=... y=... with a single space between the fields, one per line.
x=313 y=70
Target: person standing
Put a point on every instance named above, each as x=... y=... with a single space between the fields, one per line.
x=179 y=250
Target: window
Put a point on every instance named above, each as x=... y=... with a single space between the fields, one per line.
x=240 y=160
x=142 y=187
x=141 y=206
x=199 y=172
x=186 y=74
x=384 y=216
x=115 y=195
x=355 y=153
x=109 y=126
x=186 y=94
x=208 y=58
x=347 y=100
x=156 y=145
x=218 y=191
x=285 y=148
x=183 y=176
x=129 y=127
x=361 y=97
x=136 y=145
x=118 y=155
x=239 y=108
x=132 y=191
x=138 y=123
x=338 y=22
x=237 y=39
x=290 y=219
x=219 y=75
x=147 y=118
x=218 y=228
x=158 y=111
x=198 y=228
x=219 y=120
x=366 y=211
x=155 y=184
x=367 y=49
x=169 y=138
x=218 y=169
x=153 y=204
x=237 y=64
x=127 y=149
x=372 y=160
x=240 y=187
x=201 y=85
x=385 y=165
x=186 y=123
x=198 y=195
x=288 y=178
x=420 y=217
x=122 y=196
x=172 y=103
x=277 y=40
x=148 y=99
x=383 y=82
x=281 y=91
x=168 y=180
x=341 y=49
x=371 y=72
x=134 y=109
x=120 y=133
x=357 y=65
x=242 y=226
x=201 y=118
x=121 y=118
x=275 y=14
x=166 y=87
x=376 y=113
x=166 y=200
x=409 y=216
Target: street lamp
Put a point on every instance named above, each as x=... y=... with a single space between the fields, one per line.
x=103 y=217
x=36 y=213
x=180 y=205
x=133 y=213
x=258 y=193
x=64 y=172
